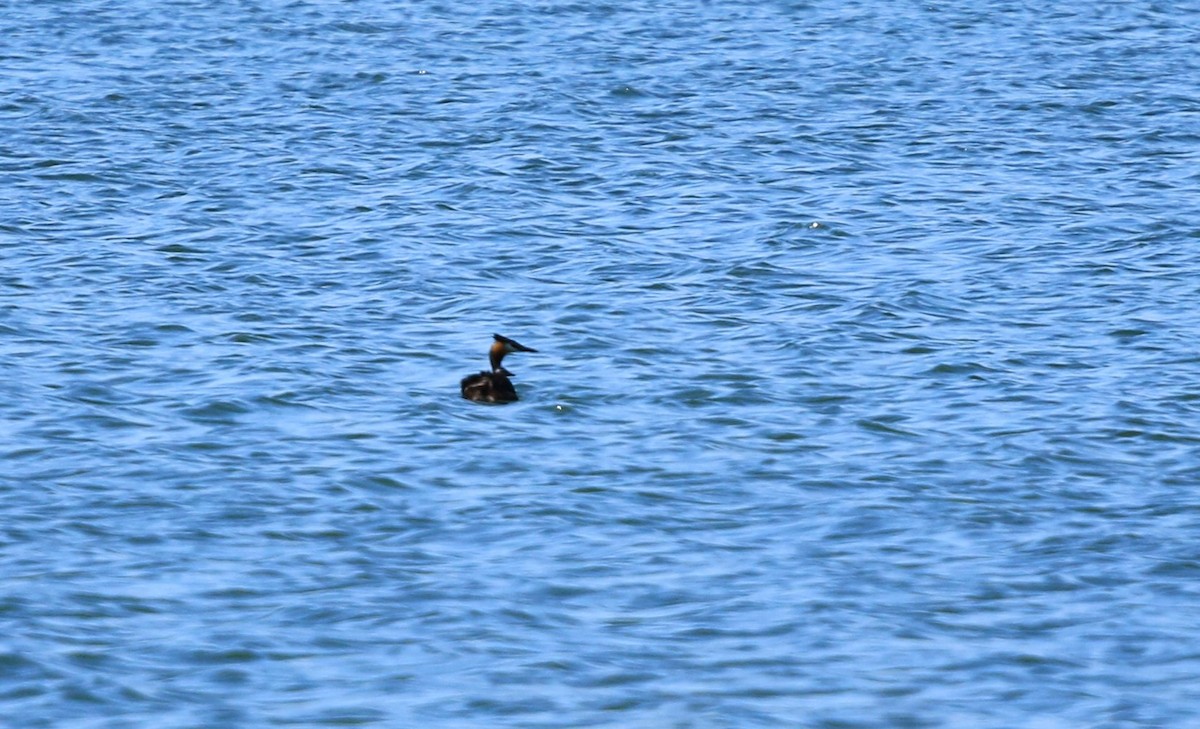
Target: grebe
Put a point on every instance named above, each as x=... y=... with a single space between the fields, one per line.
x=494 y=386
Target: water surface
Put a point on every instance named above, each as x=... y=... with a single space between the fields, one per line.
x=867 y=391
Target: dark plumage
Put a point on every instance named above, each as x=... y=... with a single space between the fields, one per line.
x=489 y=387
x=494 y=386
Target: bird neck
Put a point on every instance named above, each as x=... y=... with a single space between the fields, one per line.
x=496 y=356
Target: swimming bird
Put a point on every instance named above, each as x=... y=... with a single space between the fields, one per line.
x=494 y=386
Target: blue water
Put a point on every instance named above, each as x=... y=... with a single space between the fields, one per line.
x=867 y=392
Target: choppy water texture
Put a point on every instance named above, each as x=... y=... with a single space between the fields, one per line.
x=868 y=388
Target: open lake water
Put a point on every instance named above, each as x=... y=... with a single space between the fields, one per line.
x=867 y=392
